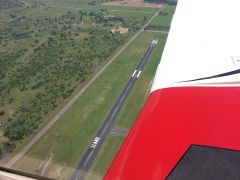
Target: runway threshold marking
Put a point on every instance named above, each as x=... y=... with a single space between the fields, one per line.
x=139 y=74
x=134 y=73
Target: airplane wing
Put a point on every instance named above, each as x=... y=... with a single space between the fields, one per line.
x=194 y=102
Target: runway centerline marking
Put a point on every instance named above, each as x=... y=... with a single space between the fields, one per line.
x=87 y=159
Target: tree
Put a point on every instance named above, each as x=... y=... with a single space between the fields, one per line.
x=2 y=112
x=9 y=146
x=1 y=152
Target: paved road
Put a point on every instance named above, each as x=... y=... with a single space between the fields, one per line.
x=75 y=97
x=94 y=147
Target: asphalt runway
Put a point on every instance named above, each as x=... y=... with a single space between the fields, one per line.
x=94 y=147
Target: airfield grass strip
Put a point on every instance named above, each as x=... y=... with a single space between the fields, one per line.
x=65 y=143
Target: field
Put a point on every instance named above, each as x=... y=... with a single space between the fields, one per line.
x=132 y=107
x=85 y=116
x=109 y=150
x=128 y=8
x=10 y=4
x=163 y=20
x=132 y=14
x=142 y=88
x=62 y=44
x=47 y=53
x=138 y=3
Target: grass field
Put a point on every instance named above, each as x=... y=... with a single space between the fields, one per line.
x=142 y=88
x=56 y=8
x=69 y=3
x=51 y=11
x=4 y=17
x=105 y=156
x=163 y=20
x=130 y=110
x=48 y=50
x=66 y=142
x=128 y=8
x=60 y=150
x=132 y=14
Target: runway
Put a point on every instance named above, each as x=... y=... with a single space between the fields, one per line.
x=106 y=127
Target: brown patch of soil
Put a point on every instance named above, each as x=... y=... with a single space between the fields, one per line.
x=119 y=29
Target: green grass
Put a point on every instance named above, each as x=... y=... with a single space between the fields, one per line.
x=33 y=31
x=130 y=111
x=4 y=17
x=36 y=12
x=49 y=10
x=105 y=156
x=163 y=20
x=68 y=3
x=128 y=8
x=69 y=138
x=137 y=15
x=141 y=90
x=64 y=145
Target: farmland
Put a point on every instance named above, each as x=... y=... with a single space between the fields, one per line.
x=163 y=20
x=49 y=50
x=47 y=53
x=87 y=114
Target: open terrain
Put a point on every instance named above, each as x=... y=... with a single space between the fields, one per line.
x=133 y=105
x=142 y=88
x=46 y=55
x=69 y=42
x=108 y=125
x=85 y=116
x=109 y=150
x=7 y=4
x=140 y=3
x=163 y=21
